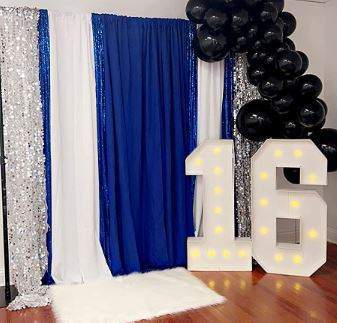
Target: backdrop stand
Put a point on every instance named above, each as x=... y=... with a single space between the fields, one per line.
x=7 y=293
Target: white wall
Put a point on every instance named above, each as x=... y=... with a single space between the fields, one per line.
x=330 y=77
x=315 y=21
x=141 y=8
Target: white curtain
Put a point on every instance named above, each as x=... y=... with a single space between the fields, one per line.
x=210 y=96
x=77 y=254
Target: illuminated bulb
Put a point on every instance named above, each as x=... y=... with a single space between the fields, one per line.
x=295 y=204
x=198 y=161
x=218 y=230
x=264 y=230
x=298 y=153
x=211 y=284
x=297 y=286
x=195 y=253
x=278 y=153
x=227 y=283
x=264 y=176
x=278 y=257
x=242 y=254
x=217 y=210
x=217 y=170
x=211 y=253
x=312 y=178
x=279 y=285
x=263 y=202
x=217 y=150
x=313 y=234
x=297 y=260
x=226 y=253
x=217 y=190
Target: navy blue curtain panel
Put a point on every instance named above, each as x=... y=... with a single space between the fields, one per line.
x=146 y=111
x=44 y=75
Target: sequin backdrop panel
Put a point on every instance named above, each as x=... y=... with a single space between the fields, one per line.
x=23 y=131
x=244 y=149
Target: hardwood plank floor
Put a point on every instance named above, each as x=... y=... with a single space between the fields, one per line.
x=252 y=297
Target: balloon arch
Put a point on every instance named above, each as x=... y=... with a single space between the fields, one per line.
x=290 y=107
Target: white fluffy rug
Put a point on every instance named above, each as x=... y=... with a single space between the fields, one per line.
x=131 y=298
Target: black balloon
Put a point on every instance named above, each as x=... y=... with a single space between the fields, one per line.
x=256 y=74
x=257 y=57
x=291 y=129
x=252 y=32
x=289 y=63
x=257 y=44
x=326 y=141
x=272 y=34
x=289 y=23
x=203 y=56
x=210 y=44
x=240 y=18
x=268 y=13
x=196 y=10
x=289 y=43
x=280 y=47
x=283 y=104
x=271 y=87
x=216 y=19
x=324 y=105
x=310 y=114
x=240 y=44
x=292 y=175
x=269 y=61
x=308 y=87
x=316 y=128
x=256 y=121
x=305 y=63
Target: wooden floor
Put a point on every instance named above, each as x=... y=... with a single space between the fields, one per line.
x=252 y=297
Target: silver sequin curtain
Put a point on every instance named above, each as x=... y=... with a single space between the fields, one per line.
x=244 y=149
x=25 y=172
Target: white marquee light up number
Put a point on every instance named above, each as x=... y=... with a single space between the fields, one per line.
x=219 y=250
x=270 y=203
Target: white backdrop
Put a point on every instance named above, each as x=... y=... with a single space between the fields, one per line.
x=313 y=20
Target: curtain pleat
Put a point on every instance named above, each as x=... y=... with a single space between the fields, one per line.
x=144 y=70
x=77 y=254
x=210 y=102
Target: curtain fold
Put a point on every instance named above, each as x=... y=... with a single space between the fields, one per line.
x=77 y=254
x=210 y=102
x=146 y=123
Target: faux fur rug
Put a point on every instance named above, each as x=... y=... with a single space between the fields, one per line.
x=131 y=298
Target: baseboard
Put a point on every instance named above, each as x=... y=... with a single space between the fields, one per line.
x=332 y=235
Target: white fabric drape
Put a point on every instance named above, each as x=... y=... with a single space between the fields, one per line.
x=77 y=254
x=210 y=96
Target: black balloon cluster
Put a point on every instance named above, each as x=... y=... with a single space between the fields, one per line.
x=290 y=107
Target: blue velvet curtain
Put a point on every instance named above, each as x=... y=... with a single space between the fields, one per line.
x=146 y=111
x=44 y=75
